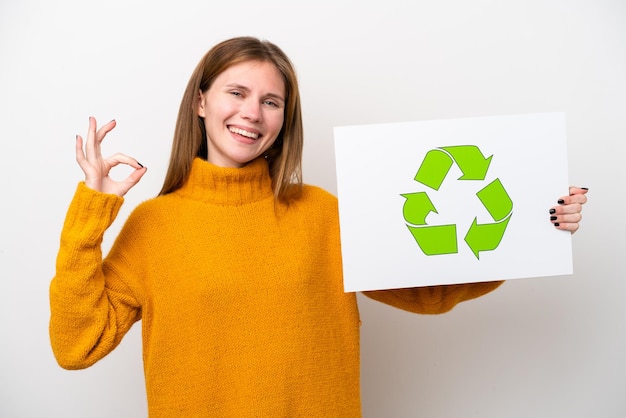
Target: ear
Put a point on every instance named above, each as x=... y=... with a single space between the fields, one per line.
x=201 y=104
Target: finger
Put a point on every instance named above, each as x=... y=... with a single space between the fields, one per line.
x=574 y=198
x=122 y=187
x=133 y=179
x=80 y=154
x=565 y=209
x=120 y=158
x=569 y=204
x=104 y=130
x=577 y=190
x=80 y=157
x=567 y=218
x=572 y=227
x=92 y=147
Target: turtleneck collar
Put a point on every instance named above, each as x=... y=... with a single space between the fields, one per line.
x=227 y=186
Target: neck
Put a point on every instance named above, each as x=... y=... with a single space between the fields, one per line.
x=226 y=185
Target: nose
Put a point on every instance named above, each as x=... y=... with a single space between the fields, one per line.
x=251 y=110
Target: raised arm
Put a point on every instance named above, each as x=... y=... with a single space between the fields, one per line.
x=91 y=309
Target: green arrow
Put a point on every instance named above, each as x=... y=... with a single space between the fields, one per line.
x=434 y=169
x=485 y=237
x=417 y=207
x=435 y=240
x=470 y=160
x=496 y=200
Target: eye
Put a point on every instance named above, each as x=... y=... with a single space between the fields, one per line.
x=235 y=93
x=271 y=103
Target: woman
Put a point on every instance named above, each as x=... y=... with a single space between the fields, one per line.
x=235 y=268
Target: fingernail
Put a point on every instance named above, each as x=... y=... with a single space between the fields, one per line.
x=553 y=218
x=560 y=201
x=585 y=188
x=556 y=224
x=552 y=211
x=140 y=165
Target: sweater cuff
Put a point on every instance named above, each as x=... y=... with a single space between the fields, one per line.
x=432 y=299
x=90 y=213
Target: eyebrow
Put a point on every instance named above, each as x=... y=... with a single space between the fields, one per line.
x=244 y=88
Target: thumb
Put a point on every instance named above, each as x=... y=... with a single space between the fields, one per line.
x=132 y=179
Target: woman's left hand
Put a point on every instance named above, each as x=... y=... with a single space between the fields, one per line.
x=567 y=215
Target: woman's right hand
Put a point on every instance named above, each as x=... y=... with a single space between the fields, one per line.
x=97 y=169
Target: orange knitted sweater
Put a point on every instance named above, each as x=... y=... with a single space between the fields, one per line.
x=240 y=298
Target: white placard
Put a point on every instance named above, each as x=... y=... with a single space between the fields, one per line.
x=451 y=201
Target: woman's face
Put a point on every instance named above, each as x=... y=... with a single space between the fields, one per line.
x=243 y=112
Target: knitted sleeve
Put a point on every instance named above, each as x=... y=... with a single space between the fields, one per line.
x=432 y=299
x=89 y=311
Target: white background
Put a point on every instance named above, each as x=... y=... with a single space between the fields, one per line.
x=534 y=348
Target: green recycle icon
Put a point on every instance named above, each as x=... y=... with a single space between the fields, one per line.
x=442 y=239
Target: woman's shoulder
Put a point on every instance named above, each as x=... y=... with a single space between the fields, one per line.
x=315 y=202
x=317 y=194
x=155 y=207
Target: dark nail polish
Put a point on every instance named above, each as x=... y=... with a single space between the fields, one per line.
x=140 y=165
x=552 y=211
x=585 y=188
x=556 y=224
x=553 y=218
x=560 y=201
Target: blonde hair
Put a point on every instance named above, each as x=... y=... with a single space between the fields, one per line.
x=284 y=157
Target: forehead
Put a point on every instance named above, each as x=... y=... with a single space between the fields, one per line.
x=253 y=75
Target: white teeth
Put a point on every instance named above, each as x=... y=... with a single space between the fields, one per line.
x=244 y=133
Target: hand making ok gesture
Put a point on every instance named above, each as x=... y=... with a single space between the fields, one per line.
x=97 y=168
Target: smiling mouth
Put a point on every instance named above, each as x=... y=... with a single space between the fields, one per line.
x=243 y=132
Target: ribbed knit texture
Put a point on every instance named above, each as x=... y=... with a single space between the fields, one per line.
x=240 y=298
